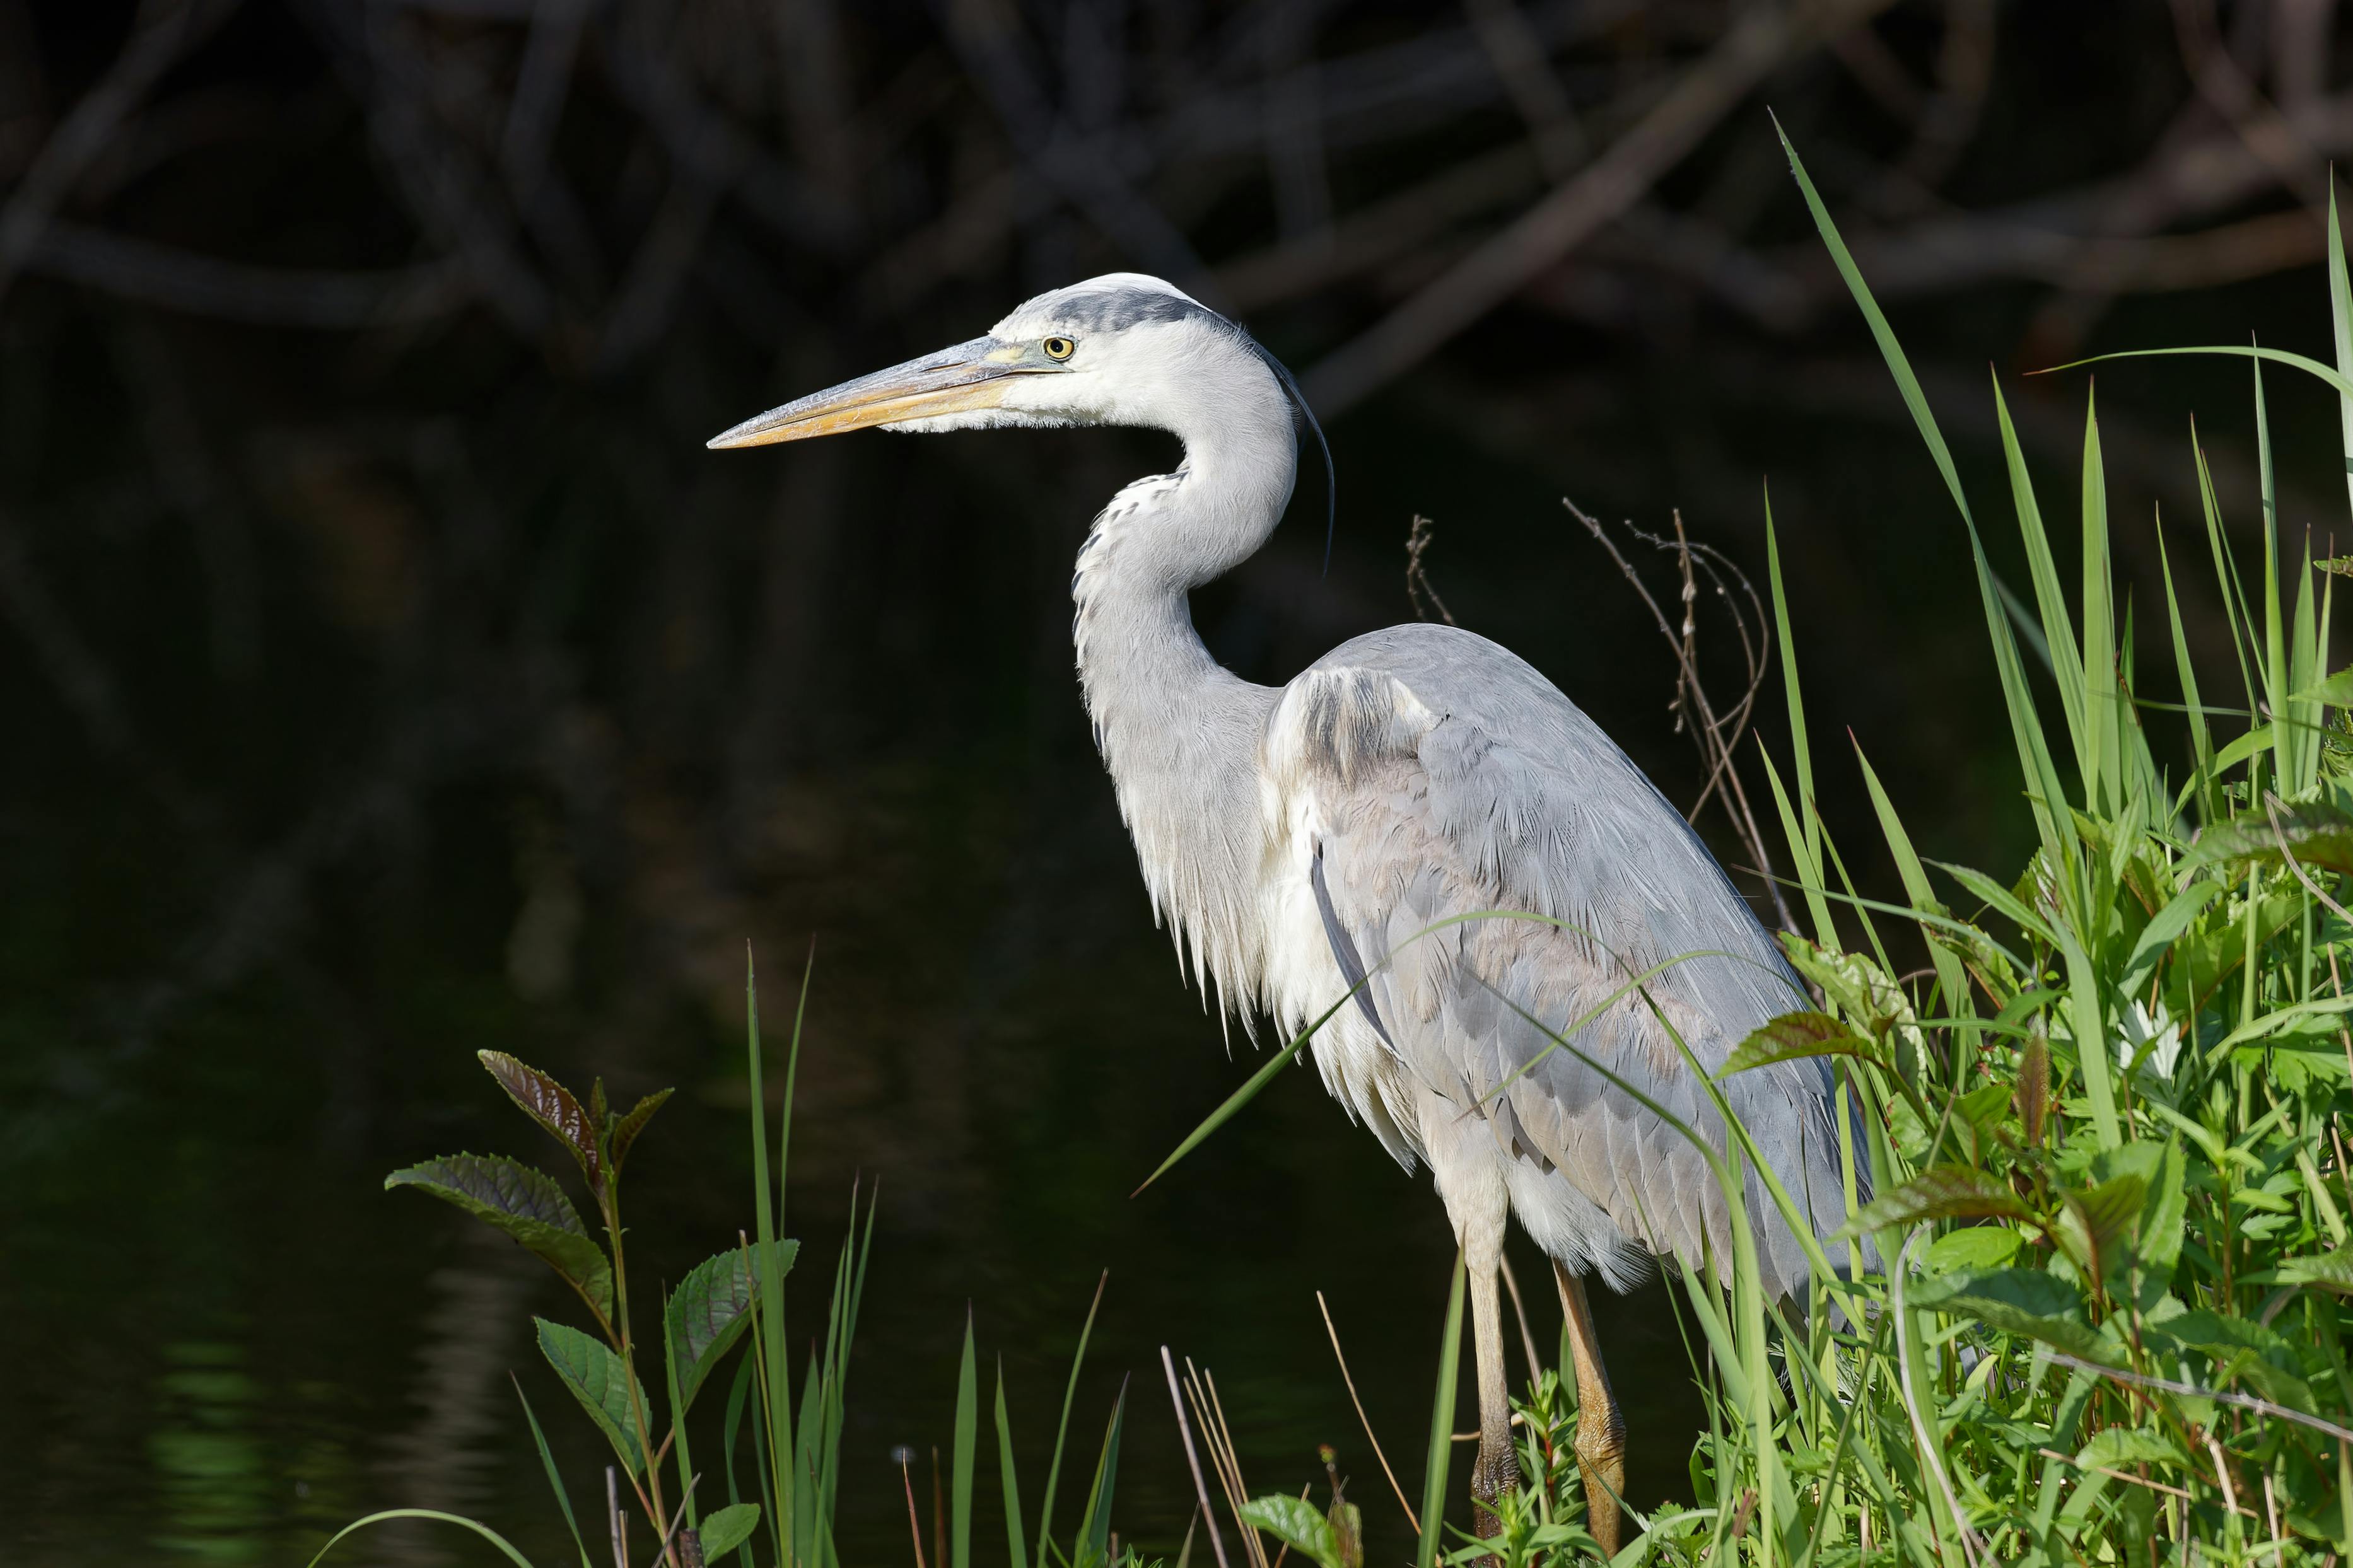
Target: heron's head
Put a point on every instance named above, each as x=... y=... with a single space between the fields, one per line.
x=1123 y=349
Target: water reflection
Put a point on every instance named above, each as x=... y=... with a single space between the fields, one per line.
x=211 y=1474
x=446 y=1456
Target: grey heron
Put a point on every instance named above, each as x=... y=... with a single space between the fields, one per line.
x=1303 y=839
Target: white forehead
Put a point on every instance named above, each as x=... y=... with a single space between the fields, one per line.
x=1111 y=303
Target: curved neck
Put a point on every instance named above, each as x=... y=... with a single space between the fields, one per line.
x=1179 y=731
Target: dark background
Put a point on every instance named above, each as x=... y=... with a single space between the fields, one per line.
x=387 y=671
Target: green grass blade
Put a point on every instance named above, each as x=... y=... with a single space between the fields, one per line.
x=731 y=1427
x=2103 y=738
x=683 y=1457
x=777 y=1485
x=1915 y=877
x=2051 y=603
x=2201 y=735
x=2034 y=758
x=1062 y=1427
x=1906 y=383
x=1441 y=1425
x=967 y=1433
x=1248 y=1092
x=806 y=1527
x=2226 y=573
x=547 y=1461
x=506 y=1547
x=1802 y=826
x=1016 y=1552
x=1093 y=1543
x=2340 y=321
x=2275 y=686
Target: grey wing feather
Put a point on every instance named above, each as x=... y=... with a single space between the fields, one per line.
x=1453 y=779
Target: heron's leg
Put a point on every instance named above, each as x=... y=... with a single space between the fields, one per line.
x=1600 y=1425
x=1497 y=1469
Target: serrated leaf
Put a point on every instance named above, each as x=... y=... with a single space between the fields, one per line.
x=2337 y=691
x=1298 y=1524
x=1859 y=989
x=1942 y=1192
x=2318 y=833
x=711 y=1307
x=728 y=1527
x=626 y=1130
x=2328 y=1271
x=1794 y=1035
x=2025 y=1301
x=551 y=1105
x=526 y=1205
x=600 y=1382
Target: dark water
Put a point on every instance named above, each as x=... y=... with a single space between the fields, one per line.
x=223 y=1338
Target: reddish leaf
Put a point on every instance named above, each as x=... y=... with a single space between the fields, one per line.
x=1942 y=1192
x=551 y=1105
x=1802 y=1034
x=626 y=1130
x=2034 y=1086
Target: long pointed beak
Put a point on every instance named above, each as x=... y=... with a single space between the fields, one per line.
x=954 y=380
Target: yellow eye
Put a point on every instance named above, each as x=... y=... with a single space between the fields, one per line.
x=1060 y=348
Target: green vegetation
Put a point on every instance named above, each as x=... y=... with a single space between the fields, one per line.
x=2100 y=1315
x=793 y=1450
x=2106 y=1321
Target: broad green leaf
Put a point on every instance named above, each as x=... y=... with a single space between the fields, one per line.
x=626 y=1130
x=598 y=1380
x=711 y=1306
x=1298 y=1524
x=2025 y=1301
x=525 y=1204
x=1943 y=1192
x=1793 y=1035
x=2157 y=937
x=1973 y=1247
x=2243 y=1350
x=2116 y=1448
x=551 y=1105
x=2157 y=1230
x=728 y=1527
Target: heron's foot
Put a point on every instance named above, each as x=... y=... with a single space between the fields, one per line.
x=1493 y=1473
x=1601 y=1458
